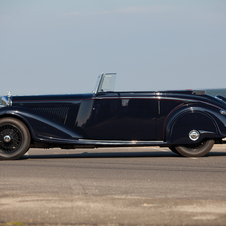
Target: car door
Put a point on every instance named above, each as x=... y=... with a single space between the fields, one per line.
x=123 y=116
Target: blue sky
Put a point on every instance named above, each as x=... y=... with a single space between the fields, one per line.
x=52 y=46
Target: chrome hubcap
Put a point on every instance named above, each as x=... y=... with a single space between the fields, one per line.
x=194 y=135
x=7 y=138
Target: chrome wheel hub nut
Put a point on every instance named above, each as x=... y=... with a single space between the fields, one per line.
x=194 y=135
x=7 y=138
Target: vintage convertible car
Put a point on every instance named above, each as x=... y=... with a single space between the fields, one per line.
x=188 y=122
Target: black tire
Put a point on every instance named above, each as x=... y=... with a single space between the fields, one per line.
x=173 y=149
x=14 y=139
x=196 y=150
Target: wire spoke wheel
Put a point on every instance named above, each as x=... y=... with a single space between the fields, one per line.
x=14 y=138
x=10 y=139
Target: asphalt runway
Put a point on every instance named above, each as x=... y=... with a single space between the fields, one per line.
x=113 y=186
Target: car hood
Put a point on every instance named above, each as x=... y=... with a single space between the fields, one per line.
x=50 y=98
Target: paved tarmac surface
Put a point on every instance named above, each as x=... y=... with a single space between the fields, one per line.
x=121 y=186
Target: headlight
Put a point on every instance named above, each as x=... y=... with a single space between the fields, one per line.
x=6 y=101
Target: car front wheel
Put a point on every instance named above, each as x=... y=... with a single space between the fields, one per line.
x=196 y=150
x=14 y=139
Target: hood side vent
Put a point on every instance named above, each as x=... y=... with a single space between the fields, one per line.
x=59 y=114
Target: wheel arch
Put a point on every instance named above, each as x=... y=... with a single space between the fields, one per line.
x=190 y=118
x=23 y=120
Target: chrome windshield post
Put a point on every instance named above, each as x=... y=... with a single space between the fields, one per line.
x=99 y=82
x=105 y=83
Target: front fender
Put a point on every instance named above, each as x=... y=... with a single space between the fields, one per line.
x=208 y=122
x=40 y=126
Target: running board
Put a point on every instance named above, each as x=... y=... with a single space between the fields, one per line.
x=121 y=142
x=105 y=143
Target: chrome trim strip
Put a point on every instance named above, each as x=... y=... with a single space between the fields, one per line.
x=121 y=142
x=101 y=142
x=202 y=131
x=146 y=97
x=160 y=98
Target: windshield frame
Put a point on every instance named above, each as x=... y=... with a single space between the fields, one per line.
x=105 y=83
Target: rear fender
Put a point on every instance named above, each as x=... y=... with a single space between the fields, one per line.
x=188 y=119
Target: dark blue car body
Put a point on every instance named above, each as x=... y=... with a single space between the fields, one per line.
x=185 y=121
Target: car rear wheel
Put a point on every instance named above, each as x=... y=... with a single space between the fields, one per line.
x=196 y=150
x=14 y=138
x=174 y=150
